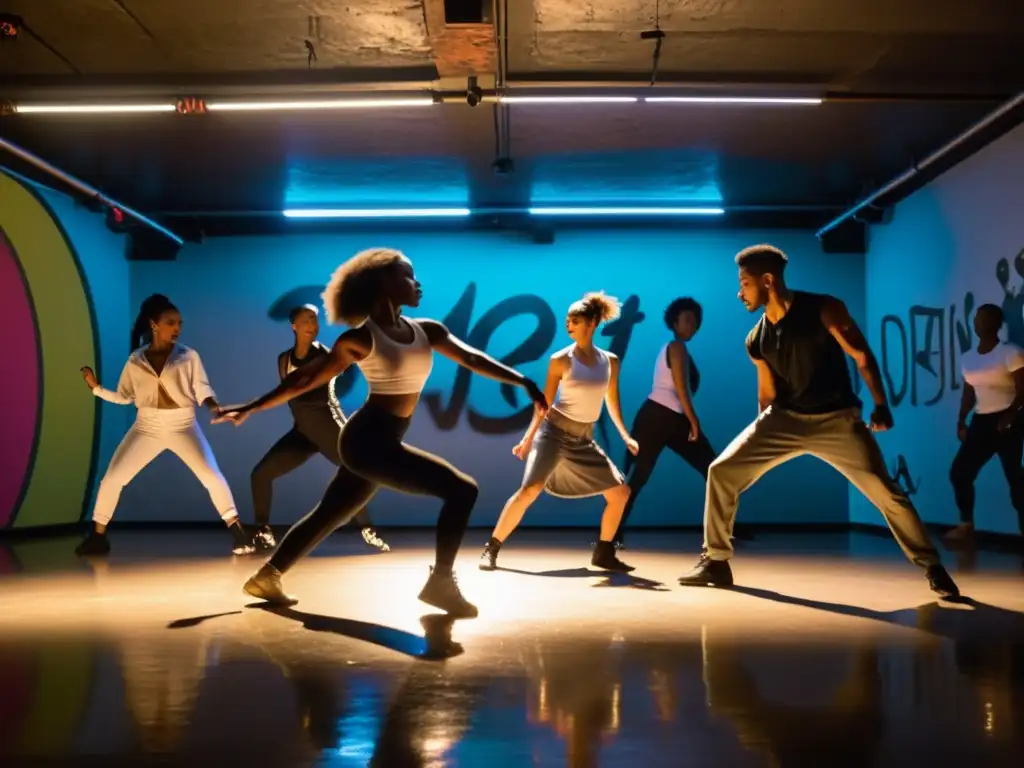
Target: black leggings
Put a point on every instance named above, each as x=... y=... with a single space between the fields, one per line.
x=373 y=455
x=314 y=432
x=983 y=441
x=655 y=428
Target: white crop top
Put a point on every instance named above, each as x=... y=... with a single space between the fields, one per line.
x=583 y=388
x=393 y=368
x=664 y=390
x=183 y=378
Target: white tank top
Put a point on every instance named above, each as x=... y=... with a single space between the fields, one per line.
x=664 y=390
x=582 y=389
x=393 y=368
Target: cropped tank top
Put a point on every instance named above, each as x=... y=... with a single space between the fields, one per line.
x=393 y=368
x=583 y=388
x=314 y=399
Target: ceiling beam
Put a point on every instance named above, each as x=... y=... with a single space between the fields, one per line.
x=460 y=50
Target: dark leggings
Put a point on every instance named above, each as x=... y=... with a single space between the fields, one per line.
x=373 y=455
x=314 y=432
x=983 y=441
x=656 y=428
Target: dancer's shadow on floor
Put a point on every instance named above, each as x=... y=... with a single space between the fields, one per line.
x=610 y=578
x=435 y=644
x=961 y=619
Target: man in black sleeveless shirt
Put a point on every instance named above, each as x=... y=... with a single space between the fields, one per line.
x=807 y=406
x=318 y=422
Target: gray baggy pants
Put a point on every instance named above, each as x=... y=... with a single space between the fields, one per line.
x=840 y=438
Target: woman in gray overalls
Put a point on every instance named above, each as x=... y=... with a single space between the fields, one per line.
x=561 y=455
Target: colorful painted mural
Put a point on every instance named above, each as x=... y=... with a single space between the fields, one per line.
x=47 y=330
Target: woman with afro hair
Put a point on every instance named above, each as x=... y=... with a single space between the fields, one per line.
x=395 y=355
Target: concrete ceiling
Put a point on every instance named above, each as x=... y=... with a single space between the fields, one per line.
x=907 y=76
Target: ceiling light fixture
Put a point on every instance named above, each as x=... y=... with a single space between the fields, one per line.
x=374 y=213
x=625 y=211
x=731 y=100
x=266 y=106
x=568 y=99
x=88 y=109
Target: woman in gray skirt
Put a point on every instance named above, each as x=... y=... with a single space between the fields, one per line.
x=563 y=458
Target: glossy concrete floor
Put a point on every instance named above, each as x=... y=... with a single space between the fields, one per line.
x=830 y=652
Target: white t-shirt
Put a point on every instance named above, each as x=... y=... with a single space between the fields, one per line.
x=991 y=375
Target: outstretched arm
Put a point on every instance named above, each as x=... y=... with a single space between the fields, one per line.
x=611 y=399
x=468 y=357
x=477 y=361
x=346 y=350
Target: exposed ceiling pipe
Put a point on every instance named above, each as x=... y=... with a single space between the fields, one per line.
x=83 y=188
x=934 y=157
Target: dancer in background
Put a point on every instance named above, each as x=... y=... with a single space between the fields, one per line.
x=317 y=429
x=806 y=406
x=993 y=387
x=396 y=356
x=166 y=381
x=667 y=418
x=564 y=459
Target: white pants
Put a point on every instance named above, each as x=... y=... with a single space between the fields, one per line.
x=157 y=430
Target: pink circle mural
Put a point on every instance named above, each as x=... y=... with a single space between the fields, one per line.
x=19 y=409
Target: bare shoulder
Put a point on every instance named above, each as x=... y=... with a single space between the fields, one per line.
x=436 y=331
x=559 y=361
x=357 y=340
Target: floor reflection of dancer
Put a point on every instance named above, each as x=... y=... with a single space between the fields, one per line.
x=848 y=729
x=317 y=429
x=564 y=459
x=165 y=381
x=993 y=387
x=396 y=356
x=667 y=418
x=807 y=406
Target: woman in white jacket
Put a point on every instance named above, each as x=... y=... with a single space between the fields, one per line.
x=166 y=381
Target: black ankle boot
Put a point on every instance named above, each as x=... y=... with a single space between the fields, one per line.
x=489 y=557
x=93 y=544
x=941 y=582
x=604 y=557
x=708 y=573
x=242 y=541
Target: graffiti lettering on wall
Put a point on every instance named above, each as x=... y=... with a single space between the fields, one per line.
x=447 y=410
x=901 y=474
x=1013 y=299
x=924 y=361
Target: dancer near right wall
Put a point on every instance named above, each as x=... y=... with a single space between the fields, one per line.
x=993 y=387
x=806 y=405
x=667 y=418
